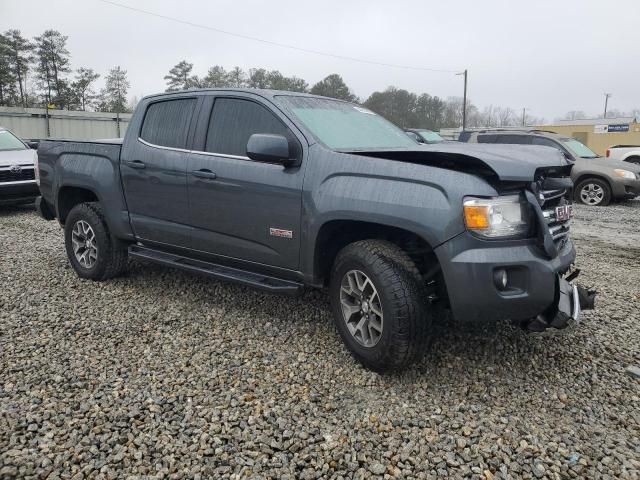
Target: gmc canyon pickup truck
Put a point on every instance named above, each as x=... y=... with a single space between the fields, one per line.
x=282 y=191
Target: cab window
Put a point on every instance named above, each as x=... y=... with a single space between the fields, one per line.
x=234 y=120
x=166 y=123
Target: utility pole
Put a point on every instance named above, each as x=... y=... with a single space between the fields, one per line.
x=606 y=102
x=524 y=111
x=464 y=100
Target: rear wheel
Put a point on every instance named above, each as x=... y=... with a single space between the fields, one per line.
x=92 y=251
x=594 y=192
x=379 y=304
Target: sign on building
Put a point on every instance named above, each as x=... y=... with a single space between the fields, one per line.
x=613 y=128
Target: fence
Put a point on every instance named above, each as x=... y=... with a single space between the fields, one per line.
x=42 y=123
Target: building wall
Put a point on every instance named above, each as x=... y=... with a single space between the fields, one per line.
x=598 y=142
x=33 y=123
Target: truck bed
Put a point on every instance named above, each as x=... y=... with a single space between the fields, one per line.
x=93 y=166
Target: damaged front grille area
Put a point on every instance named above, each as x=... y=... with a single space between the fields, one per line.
x=557 y=211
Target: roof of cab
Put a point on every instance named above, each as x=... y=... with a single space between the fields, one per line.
x=263 y=92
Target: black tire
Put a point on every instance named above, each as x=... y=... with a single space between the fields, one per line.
x=112 y=256
x=606 y=198
x=406 y=312
x=635 y=160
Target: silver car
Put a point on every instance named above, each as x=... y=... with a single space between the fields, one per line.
x=597 y=180
x=17 y=174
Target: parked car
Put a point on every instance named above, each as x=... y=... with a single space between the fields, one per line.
x=285 y=191
x=597 y=180
x=425 y=136
x=17 y=176
x=626 y=153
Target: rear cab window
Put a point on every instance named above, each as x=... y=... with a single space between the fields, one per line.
x=166 y=123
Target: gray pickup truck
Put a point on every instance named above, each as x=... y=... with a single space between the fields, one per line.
x=285 y=191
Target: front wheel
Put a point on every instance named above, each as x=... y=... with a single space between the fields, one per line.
x=594 y=192
x=379 y=304
x=92 y=251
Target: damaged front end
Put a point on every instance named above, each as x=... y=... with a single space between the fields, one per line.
x=549 y=196
x=566 y=311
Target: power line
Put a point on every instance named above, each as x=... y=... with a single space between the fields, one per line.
x=275 y=44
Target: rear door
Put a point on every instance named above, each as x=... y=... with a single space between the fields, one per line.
x=154 y=169
x=240 y=208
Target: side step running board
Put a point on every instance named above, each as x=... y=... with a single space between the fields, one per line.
x=219 y=272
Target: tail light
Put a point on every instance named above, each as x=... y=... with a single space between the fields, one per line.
x=36 y=169
x=608 y=152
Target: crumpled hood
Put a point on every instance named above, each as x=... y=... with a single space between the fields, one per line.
x=17 y=157
x=509 y=162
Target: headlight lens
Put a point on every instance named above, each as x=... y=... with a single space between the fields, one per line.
x=624 y=173
x=496 y=217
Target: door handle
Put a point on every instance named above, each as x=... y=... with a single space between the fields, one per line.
x=136 y=164
x=204 y=173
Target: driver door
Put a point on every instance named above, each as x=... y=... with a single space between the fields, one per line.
x=241 y=208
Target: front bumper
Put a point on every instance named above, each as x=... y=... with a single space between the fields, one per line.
x=625 y=188
x=534 y=287
x=18 y=192
x=565 y=313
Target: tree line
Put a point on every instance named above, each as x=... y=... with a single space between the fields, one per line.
x=36 y=72
x=402 y=107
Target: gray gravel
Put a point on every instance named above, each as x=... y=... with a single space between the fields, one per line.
x=161 y=374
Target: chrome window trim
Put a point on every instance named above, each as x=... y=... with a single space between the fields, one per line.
x=172 y=149
x=199 y=152
x=18 y=182
x=225 y=155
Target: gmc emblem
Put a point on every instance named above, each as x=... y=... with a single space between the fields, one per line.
x=564 y=213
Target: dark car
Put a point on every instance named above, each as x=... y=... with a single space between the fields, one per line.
x=422 y=135
x=284 y=191
x=17 y=175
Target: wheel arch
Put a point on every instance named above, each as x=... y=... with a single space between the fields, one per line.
x=69 y=196
x=587 y=175
x=336 y=234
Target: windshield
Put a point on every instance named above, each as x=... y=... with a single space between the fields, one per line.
x=8 y=141
x=344 y=126
x=577 y=148
x=430 y=137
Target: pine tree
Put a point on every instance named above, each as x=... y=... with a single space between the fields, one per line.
x=82 y=93
x=333 y=86
x=114 y=95
x=20 y=55
x=179 y=77
x=53 y=64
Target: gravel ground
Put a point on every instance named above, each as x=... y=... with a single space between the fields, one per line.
x=161 y=374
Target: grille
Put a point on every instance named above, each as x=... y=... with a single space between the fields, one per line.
x=558 y=227
x=23 y=175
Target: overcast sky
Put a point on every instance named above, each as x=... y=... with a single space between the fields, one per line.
x=550 y=56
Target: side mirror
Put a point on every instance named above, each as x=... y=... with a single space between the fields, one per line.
x=266 y=147
x=33 y=144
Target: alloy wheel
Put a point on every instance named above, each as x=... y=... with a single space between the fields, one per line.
x=83 y=239
x=361 y=308
x=592 y=194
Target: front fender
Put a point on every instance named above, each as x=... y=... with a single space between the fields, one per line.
x=422 y=199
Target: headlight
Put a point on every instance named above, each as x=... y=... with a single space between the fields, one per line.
x=496 y=217
x=624 y=174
